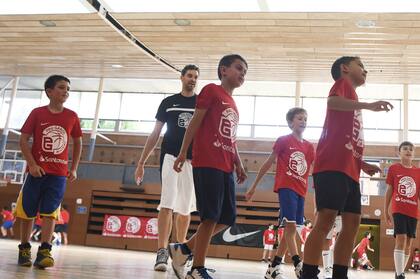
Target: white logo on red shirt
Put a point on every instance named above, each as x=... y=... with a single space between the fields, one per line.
x=358 y=128
x=152 y=226
x=54 y=139
x=184 y=119
x=228 y=124
x=297 y=163
x=407 y=187
x=133 y=225
x=113 y=224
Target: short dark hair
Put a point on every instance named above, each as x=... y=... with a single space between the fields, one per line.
x=189 y=67
x=368 y=233
x=405 y=143
x=51 y=81
x=6 y=207
x=292 y=112
x=307 y=221
x=227 y=60
x=64 y=206
x=336 y=66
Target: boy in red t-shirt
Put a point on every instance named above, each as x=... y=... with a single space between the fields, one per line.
x=416 y=260
x=50 y=127
x=215 y=157
x=269 y=239
x=403 y=182
x=337 y=167
x=362 y=258
x=294 y=157
x=8 y=221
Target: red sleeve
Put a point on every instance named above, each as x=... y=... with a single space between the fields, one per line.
x=206 y=97
x=390 y=176
x=29 y=125
x=279 y=145
x=342 y=89
x=76 y=132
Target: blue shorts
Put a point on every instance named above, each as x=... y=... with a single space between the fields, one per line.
x=215 y=194
x=292 y=207
x=43 y=194
x=7 y=224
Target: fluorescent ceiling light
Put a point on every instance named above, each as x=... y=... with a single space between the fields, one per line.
x=366 y=6
x=11 y=7
x=182 y=6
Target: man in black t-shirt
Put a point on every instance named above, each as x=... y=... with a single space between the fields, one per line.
x=178 y=195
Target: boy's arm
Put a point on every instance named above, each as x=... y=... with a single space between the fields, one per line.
x=148 y=148
x=370 y=169
x=239 y=168
x=388 y=196
x=263 y=170
x=77 y=152
x=355 y=248
x=188 y=137
x=343 y=104
x=34 y=169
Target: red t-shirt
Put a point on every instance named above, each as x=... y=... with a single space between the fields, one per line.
x=65 y=216
x=305 y=232
x=363 y=245
x=405 y=183
x=215 y=140
x=341 y=145
x=38 y=220
x=416 y=258
x=294 y=159
x=7 y=215
x=269 y=237
x=51 y=133
x=280 y=232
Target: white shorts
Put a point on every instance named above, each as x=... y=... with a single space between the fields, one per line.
x=268 y=247
x=178 y=191
x=336 y=227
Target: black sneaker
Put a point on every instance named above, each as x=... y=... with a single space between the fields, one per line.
x=44 y=258
x=24 y=258
x=401 y=276
x=162 y=260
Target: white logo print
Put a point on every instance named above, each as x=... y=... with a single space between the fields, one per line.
x=113 y=224
x=225 y=103
x=358 y=128
x=184 y=119
x=407 y=187
x=54 y=139
x=228 y=124
x=152 y=226
x=229 y=237
x=176 y=105
x=297 y=163
x=44 y=123
x=133 y=225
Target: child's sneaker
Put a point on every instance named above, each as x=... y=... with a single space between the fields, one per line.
x=181 y=255
x=44 y=258
x=274 y=272
x=198 y=273
x=24 y=258
x=298 y=270
x=162 y=260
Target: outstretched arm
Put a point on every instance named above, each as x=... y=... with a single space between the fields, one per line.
x=263 y=170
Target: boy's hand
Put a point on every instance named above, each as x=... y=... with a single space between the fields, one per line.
x=380 y=106
x=388 y=218
x=138 y=174
x=240 y=174
x=179 y=162
x=249 y=194
x=370 y=169
x=36 y=171
x=72 y=176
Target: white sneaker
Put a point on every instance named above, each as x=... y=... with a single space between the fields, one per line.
x=275 y=272
x=328 y=272
x=179 y=259
x=298 y=270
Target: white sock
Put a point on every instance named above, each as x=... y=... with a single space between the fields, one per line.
x=406 y=258
x=399 y=260
x=331 y=258
x=326 y=261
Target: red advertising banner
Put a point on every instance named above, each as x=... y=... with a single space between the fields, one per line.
x=130 y=227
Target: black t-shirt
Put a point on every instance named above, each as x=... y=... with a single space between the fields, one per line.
x=176 y=111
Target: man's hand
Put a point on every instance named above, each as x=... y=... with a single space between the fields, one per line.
x=139 y=173
x=380 y=106
x=240 y=174
x=250 y=193
x=72 y=175
x=179 y=162
x=370 y=169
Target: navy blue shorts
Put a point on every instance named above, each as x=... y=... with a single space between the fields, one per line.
x=7 y=225
x=215 y=194
x=43 y=194
x=292 y=206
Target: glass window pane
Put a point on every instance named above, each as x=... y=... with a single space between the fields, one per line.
x=413 y=115
x=386 y=120
x=381 y=91
x=110 y=106
x=315 y=89
x=271 y=131
x=272 y=110
x=312 y=134
x=140 y=106
x=414 y=136
x=24 y=103
x=317 y=109
x=385 y=136
x=245 y=105
x=244 y=131
x=106 y=125
x=88 y=104
x=86 y=124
